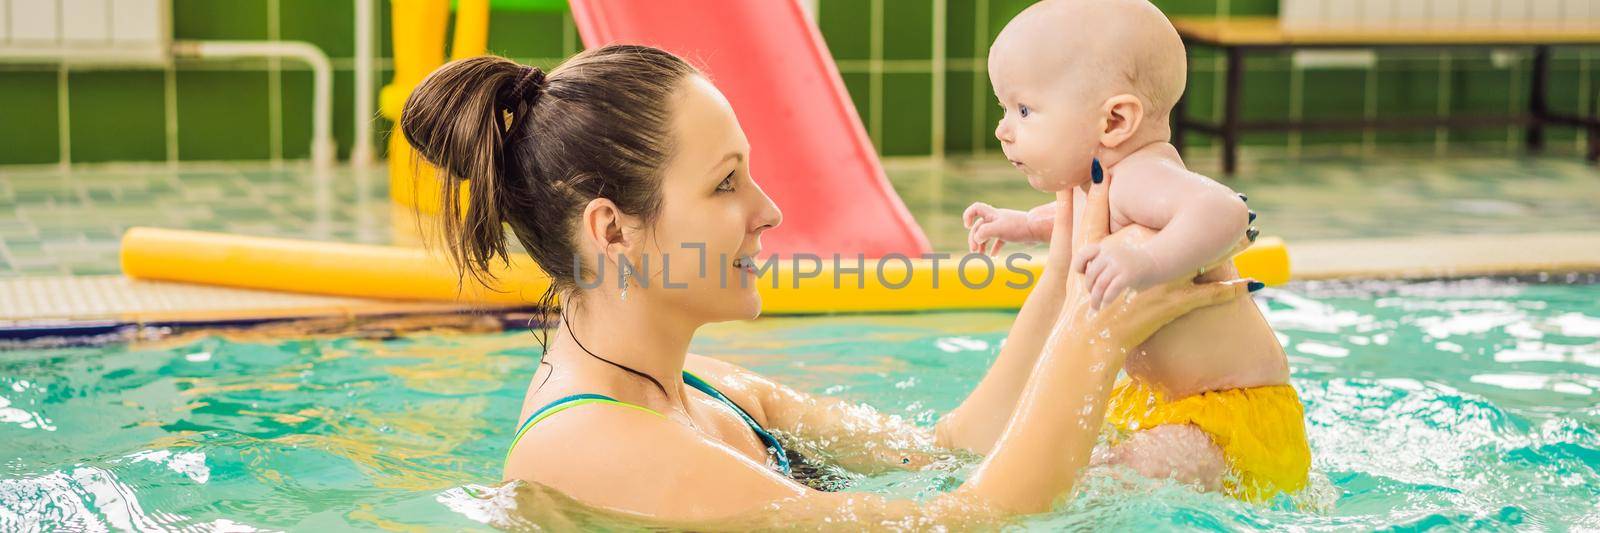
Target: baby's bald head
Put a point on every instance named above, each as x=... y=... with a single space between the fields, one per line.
x=1098 y=48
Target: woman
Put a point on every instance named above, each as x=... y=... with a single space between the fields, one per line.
x=626 y=157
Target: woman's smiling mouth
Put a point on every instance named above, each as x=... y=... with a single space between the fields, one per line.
x=745 y=263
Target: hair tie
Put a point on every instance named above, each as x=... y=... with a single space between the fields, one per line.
x=527 y=89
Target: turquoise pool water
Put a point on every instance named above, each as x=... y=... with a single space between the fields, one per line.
x=1465 y=404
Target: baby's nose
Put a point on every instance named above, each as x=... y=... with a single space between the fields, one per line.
x=1003 y=132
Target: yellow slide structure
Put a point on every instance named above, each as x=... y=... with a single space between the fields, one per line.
x=418 y=35
x=391 y=272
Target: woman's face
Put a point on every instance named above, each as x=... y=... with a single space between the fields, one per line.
x=712 y=213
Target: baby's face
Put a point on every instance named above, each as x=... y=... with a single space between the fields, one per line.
x=1048 y=131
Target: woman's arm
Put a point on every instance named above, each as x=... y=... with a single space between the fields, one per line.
x=978 y=421
x=854 y=436
x=861 y=439
x=1049 y=437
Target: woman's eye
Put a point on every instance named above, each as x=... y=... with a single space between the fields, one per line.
x=1022 y=110
x=727 y=184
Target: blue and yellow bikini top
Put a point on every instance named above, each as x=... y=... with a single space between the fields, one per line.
x=780 y=456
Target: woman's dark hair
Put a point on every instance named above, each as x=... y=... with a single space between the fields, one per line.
x=535 y=149
x=534 y=152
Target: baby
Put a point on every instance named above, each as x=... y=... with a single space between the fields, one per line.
x=1087 y=86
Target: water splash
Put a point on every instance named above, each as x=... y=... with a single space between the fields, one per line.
x=1456 y=405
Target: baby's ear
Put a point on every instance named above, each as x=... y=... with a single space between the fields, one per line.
x=1121 y=116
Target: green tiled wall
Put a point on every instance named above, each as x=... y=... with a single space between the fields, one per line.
x=29 y=129
x=913 y=99
x=104 y=128
x=1400 y=84
x=224 y=111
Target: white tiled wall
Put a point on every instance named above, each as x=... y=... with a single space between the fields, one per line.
x=138 y=21
x=1439 y=13
x=33 y=22
x=87 y=22
x=84 y=31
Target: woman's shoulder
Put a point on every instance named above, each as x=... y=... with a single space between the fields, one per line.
x=752 y=391
x=723 y=374
x=709 y=368
x=617 y=458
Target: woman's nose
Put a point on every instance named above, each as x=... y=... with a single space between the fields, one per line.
x=768 y=215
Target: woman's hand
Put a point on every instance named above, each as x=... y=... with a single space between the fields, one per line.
x=977 y=422
x=1129 y=316
x=1130 y=320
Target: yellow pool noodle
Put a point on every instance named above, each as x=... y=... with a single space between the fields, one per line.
x=392 y=272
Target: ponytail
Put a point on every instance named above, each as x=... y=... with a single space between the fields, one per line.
x=459 y=119
x=535 y=150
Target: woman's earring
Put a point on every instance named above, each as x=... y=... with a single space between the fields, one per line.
x=1095 y=172
x=625 y=275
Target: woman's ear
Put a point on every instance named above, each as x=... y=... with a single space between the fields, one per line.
x=1121 y=117
x=603 y=225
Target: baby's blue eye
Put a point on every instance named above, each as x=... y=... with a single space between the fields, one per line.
x=1022 y=110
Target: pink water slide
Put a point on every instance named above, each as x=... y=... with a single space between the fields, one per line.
x=810 y=151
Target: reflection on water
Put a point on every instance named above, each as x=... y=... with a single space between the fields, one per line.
x=1445 y=404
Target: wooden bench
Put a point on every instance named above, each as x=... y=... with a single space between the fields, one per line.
x=1237 y=36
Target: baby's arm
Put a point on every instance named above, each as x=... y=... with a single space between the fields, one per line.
x=1197 y=221
x=986 y=224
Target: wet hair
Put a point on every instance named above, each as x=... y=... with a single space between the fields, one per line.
x=535 y=149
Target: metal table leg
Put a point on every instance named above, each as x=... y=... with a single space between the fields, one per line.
x=1538 y=109
x=1230 y=110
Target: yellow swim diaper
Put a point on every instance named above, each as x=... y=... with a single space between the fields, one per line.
x=1261 y=430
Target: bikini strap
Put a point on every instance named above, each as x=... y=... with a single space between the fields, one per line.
x=568 y=403
x=778 y=453
x=770 y=441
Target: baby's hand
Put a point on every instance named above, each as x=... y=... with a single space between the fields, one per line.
x=985 y=223
x=1109 y=269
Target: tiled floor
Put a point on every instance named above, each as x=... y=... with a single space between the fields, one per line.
x=69 y=223
x=57 y=223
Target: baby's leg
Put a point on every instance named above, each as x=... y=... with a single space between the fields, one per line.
x=1180 y=452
